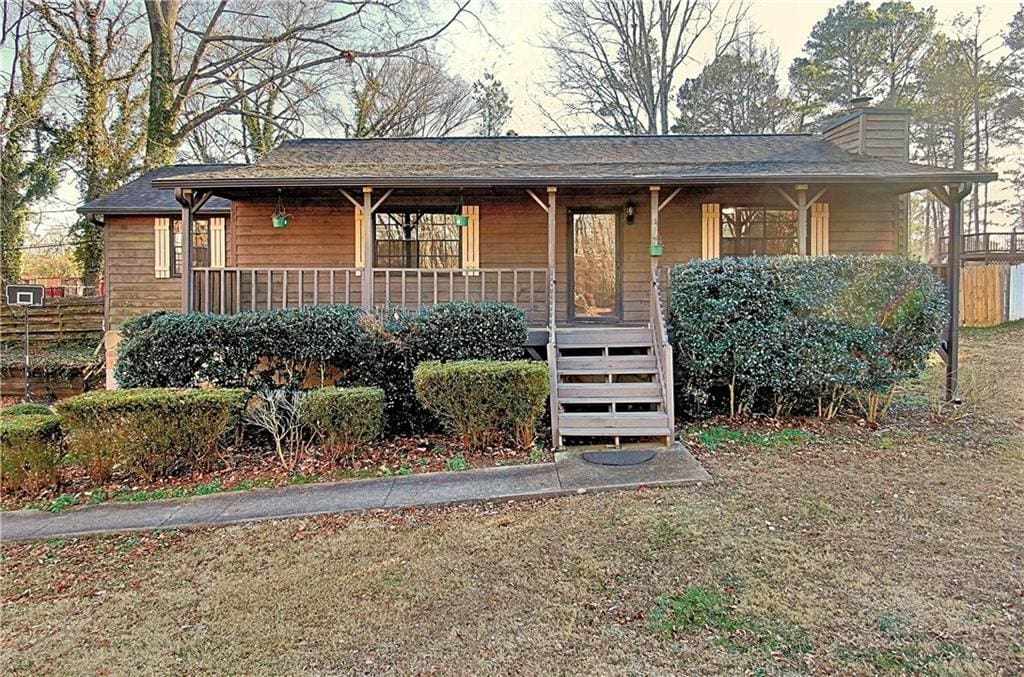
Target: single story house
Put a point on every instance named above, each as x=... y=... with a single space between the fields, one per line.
x=577 y=231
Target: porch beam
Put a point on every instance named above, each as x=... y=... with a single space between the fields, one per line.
x=367 y=285
x=348 y=196
x=385 y=196
x=537 y=199
x=671 y=197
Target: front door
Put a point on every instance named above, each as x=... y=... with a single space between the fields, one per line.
x=594 y=266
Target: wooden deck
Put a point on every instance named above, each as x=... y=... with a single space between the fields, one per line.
x=994 y=247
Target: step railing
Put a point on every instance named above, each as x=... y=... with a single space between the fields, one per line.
x=662 y=352
x=552 y=347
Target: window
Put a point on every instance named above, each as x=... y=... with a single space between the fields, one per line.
x=200 y=246
x=416 y=239
x=750 y=231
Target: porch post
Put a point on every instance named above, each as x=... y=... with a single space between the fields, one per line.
x=655 y=213
x=956 y=244
x=367 y=288
x=552 y=230
x=801 y=202
x=184 y=198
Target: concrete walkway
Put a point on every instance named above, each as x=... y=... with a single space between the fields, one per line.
x=569 y=474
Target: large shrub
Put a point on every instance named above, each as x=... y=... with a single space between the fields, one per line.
x=481 y=400
x=31 y=451
x=316 y=346
x=798 y=334
x=148 y=431
x=344 y=418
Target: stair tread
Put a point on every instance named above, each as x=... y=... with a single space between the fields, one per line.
x=569 y=431
x=609 y=399
x=605 y=361
x=575 y=371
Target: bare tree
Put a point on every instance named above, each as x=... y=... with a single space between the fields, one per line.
x=216 y=60
x=618 y=61
x=408 y=97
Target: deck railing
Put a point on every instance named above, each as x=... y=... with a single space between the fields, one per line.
x=662 y=348
x=995 y=246
x=234 y=290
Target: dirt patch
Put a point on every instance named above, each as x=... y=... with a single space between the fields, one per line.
x=846 y=549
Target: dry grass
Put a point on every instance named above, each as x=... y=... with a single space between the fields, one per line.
x=860 y=550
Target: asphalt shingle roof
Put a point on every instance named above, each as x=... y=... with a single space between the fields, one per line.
x=479 y=161
x=140 y=197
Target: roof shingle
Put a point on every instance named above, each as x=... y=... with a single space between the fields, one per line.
x=141 y=197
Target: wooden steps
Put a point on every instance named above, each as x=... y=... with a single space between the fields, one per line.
x=608 y=386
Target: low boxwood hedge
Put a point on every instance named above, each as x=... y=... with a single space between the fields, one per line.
x=344 y=418
x=781 y=335
x=482 y=400
x=26 y=408
x=31 y=451
x=317 y=346
x=148 y=432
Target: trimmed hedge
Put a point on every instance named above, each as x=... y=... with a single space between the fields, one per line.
x=345 y=418
x=26 y=409
x=148 y=431
x=791 y=334
x=31 y=451
x=317 y=346
x=481 y=400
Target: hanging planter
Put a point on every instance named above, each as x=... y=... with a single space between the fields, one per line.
x=280 y=217
x=657 y=249
x=461 y=220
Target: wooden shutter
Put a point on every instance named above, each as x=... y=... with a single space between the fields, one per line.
x=162 y=247
x=711 y=230
x=359 y=260
x=819 y=229
x=218 y=243
x=471 y=238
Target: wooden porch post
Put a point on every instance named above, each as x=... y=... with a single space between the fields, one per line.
x=552 y=231
x=655 y=213
x=367 y=288
x=802 y=207
x=187 y=286
x=952 y=197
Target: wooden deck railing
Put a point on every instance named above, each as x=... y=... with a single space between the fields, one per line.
x=662 y=348
x=994 y=246
x=235 y=290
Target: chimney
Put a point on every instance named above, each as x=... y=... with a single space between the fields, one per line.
x=865 y=130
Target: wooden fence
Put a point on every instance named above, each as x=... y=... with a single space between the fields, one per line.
x=991 y=295
x=63 y=320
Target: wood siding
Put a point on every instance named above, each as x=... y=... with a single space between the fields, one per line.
x=513 y=231
x=132 y=287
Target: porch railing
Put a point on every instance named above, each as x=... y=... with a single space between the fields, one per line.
x=985 y=246
x=662 y=348
x=234 y=290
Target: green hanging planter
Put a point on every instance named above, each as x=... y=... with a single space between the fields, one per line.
x=657 y=249
x=461 y=220
x=280 y=220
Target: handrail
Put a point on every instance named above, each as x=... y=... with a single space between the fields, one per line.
x=662 y=349
x=552 y=354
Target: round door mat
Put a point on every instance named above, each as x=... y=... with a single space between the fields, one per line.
x=618 y=457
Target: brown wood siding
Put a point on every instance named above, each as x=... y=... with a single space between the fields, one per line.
x=131 y=286
x=862 y=222
x=319 y=233
x=847 y=135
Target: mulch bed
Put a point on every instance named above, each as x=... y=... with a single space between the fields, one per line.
x=252 y=465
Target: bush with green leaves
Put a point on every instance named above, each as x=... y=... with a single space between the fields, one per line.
x=792 y=334
x=148 y=432
x=31 y=451
x=26 y=409
x=316 y=346
x=482 y=400
x=344 y=418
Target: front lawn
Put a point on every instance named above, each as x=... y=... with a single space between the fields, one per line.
x=833 y=548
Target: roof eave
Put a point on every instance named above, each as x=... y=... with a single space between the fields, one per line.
x=924 y=180
x=130 y=211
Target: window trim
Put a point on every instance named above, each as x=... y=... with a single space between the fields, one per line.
x=406 y=211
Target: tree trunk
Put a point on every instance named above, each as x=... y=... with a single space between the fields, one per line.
x=161 y=141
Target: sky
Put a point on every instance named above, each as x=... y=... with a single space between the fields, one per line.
x=513 y=53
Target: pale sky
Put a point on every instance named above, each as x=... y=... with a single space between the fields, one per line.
x=516 y=58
